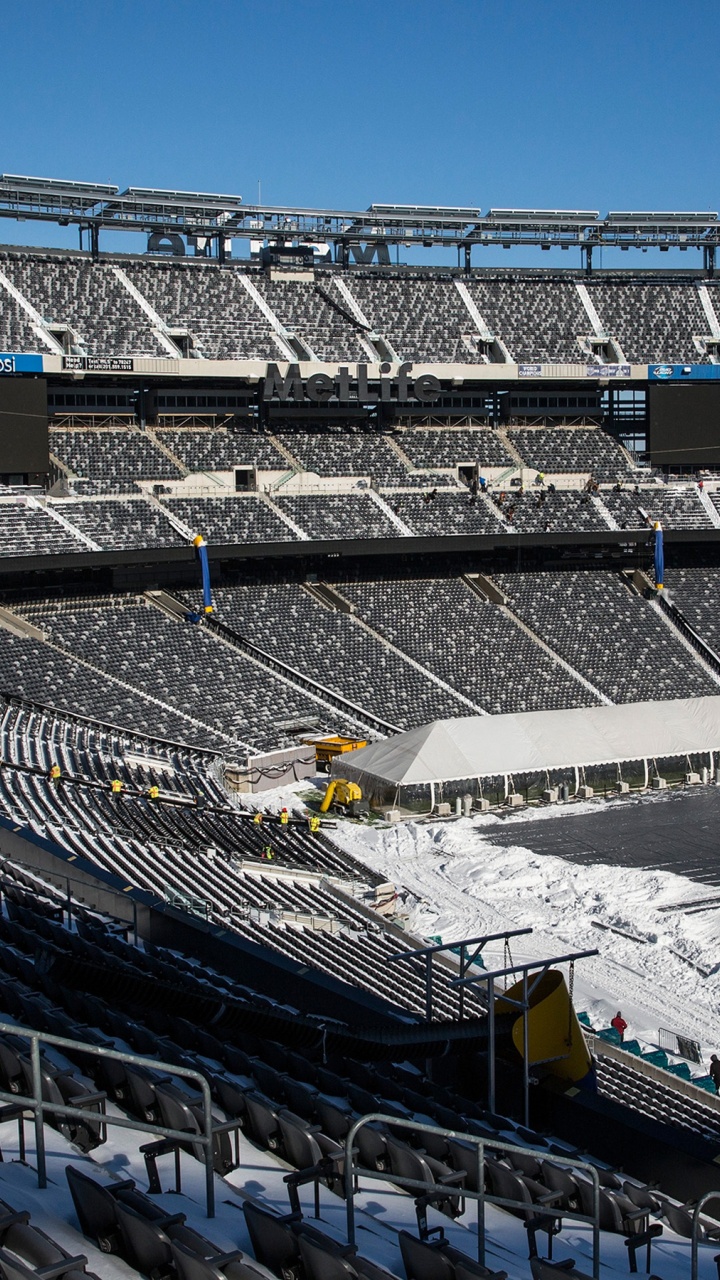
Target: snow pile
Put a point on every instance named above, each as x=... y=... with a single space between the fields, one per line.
x=459 y=884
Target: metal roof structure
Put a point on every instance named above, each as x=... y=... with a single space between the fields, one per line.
x=95 y=207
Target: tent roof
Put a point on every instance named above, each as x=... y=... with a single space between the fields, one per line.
x=527 y=742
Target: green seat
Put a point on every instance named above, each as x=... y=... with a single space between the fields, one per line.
x=657 y=1057
x=609 y=1035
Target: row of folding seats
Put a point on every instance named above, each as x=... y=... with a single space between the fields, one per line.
x=124 y=1222
x=183 y=667
x=606 y=631
x=155 y=1098
x=307 y=1127
x=36 y=735
x=26 y=1251
x=40 y=673
x=621 y=1081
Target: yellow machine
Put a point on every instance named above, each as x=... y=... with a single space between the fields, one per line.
x=345 y=796
x=555 y=1037
x=326 y=749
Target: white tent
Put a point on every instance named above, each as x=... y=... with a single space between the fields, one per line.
x=535 y=741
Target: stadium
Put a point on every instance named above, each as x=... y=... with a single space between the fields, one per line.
x=360 y=679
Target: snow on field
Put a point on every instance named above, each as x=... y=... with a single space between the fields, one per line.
x=460 y=884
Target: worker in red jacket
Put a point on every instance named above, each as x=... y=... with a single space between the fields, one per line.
x=620 y=1025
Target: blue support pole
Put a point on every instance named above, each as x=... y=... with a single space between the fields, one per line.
x=200 y=546
x=659 y=557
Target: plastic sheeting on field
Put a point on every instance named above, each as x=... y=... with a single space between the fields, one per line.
x=532 y=741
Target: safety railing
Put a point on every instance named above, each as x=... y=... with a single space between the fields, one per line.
x=353 y=1171
x=697 y=1227
x=40 y=1108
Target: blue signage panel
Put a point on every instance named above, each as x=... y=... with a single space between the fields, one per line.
x=10 y=363
x=683 y=372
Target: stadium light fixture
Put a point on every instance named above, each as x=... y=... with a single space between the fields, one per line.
x=544 y=215
x=670 y=217
x=424 y=211
x=60 y=184
x=150 y=193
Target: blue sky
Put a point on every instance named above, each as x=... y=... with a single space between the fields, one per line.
x=510 y=103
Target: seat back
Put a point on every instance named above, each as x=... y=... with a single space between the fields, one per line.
x=87 y=1133
x=558 y=1179
x=641 y=1197
x=141 y=1083
x=13 y=1269
x=335 y=1120
x=678 y=1218
x=509 y=1185
x=524 y=1162
x=190 y=1266
x=423 y=1260
x=319 y=1264
x=300 y=1097
x=406 y=1163
x=299 y=1144
x=230 y=1095
x=32 y=1245
x=262 y=1121
x=146 y=1245
x=179 y=1110
x=610 y=1215
x=94 y=1206
x=11 y=1072
x=50 y=1090
x=273 y=1240
x=463 y=1157
x=175 y=1109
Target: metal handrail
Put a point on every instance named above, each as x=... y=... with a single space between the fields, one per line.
x=709 y=1195
x=40 y=1108
x=351 y=1172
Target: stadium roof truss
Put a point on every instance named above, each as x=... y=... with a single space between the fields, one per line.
x=214 y=216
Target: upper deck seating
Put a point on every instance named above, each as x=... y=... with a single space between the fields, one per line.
x=87 y=296
x=539 y=320
x=212 y=304
x=652 y=321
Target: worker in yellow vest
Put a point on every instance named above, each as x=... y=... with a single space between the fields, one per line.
x=314 y=823
x=257 y=818
x=267 y=854
x=284 y=817
x=153 y=792
x=55 y=775
x=116 y=787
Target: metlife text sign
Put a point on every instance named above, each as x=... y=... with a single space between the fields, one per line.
x=320 y=387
